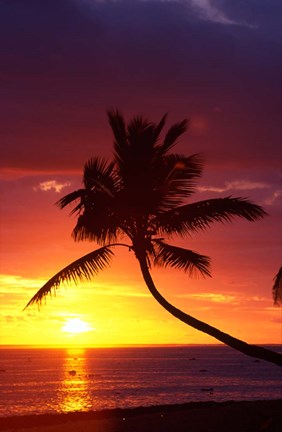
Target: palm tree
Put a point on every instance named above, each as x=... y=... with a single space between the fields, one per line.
x=277 y=288
x=141 y=196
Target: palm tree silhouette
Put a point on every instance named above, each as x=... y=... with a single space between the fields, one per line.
x=141 y=196
x=277 y=288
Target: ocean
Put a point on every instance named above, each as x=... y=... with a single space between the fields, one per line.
x=40 y=381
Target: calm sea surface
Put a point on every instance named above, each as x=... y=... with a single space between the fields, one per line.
x=37 y=381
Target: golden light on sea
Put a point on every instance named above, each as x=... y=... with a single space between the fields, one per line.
x=74 y=393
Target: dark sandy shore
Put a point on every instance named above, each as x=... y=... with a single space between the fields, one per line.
x=253 y=416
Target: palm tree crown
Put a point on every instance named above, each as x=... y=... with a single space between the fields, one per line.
x=141 y=196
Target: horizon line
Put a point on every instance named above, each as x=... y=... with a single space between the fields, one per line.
x=83 y=346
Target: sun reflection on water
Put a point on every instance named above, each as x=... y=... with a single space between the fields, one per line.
x=74 y=394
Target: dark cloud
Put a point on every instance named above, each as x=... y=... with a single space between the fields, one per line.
x=65 y=63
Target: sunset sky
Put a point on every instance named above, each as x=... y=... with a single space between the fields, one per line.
x=64 y=63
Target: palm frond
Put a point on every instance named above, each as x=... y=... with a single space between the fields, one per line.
x=82 y=269
x=177 y=177
x=70 y=198
x=277 y=288
x=142 y=137
x=185 y=259
x=173 y=134
x=99 y=175
x=159 y=127
x=99 y=179
x=184 y=167
x=118 y=127
x=100 y=225
x=200 y=215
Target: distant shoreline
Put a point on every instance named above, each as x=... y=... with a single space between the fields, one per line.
x=234 y=416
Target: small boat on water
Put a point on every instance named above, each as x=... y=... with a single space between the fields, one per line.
x=72 y=372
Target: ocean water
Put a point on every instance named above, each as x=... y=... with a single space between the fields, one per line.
x=39 y=381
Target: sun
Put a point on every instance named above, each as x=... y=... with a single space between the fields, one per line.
x=75 y=326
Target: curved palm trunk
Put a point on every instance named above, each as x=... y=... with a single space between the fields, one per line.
x=250 y=350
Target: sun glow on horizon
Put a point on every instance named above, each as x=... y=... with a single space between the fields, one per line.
x=76 y=326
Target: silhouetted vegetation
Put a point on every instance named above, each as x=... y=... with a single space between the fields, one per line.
x=141 y=196
x=277 y=288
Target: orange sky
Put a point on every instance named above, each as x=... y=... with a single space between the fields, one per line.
x=64 y=66
x=117 y=305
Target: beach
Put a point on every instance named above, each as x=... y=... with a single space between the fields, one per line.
x=245 y=416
